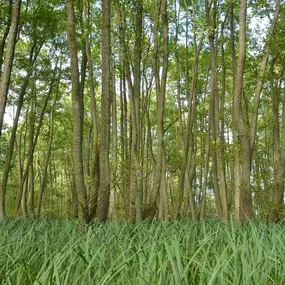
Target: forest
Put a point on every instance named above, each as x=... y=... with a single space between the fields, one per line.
x=135 y=110
x=142 y=142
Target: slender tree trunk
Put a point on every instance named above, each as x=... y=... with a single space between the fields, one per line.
x=205 y=176
x=113 y=189
x=33 y=144
x=278 y=150
x=135 y=212
x=74 y=198
x=77 y=116
x=24 y=199
x=123 y=129
x=236 y=152
x=8 y=61
x=94 y=170
x=4 y=182
x=3 y=185
x=216 y=135
x=247 y=138
x=104 y=188
x=160 y=101
x=187 y=135
x=32 y=190
x=215 y=181
x=46 y=163
x=5 y=34
x=137 y=96
x=163 y=207
x=262 y=70
x=238 y=116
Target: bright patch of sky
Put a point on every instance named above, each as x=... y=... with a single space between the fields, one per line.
x=259 y=27
x=9 y=115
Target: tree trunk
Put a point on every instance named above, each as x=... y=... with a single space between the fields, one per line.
x=135 y=207
x=46 y=163
x=77 y=116
x=216 y=135
x=33 y=144
x=160 y=101
x=3 y=185
x=245 y=132
x=32 y=191
x=113 y=190
x=104 y=188
x=137 y=96
x=94 y=170
x=8 y=61
x=205 y=176
x=262 y=70
x=187 y=135
x=239 y=118
x=278 y=150
x=5 y=34
x=236 y=152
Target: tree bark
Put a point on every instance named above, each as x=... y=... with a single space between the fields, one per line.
x=135 y=201
x=246 y=132
x=77 y=115
x=104 y=188
x=47 y=159
x=278 y=149
x=187 y=135
x=8 y=61
x=3 y=185
x=239 y=118
x=236 y=152
x=262 y=70
x=216 y=134
x=160 y=101
x=33 y=144
x=113 y=190
x=5 y=34
x=94 y=170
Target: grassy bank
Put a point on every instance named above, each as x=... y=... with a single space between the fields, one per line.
x=59 y=252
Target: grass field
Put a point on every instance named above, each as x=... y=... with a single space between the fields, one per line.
x=60 y=252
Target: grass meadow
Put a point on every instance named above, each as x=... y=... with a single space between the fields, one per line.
x=182 y=252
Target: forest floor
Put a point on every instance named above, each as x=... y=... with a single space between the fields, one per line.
x=182 y=252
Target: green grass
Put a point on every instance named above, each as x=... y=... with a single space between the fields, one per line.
x=60 y=252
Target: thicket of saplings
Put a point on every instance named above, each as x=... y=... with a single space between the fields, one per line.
x=182 y=252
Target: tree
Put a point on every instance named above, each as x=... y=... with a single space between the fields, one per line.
x=160 y=89
x=218 y=162
x=104 y=188
x=247 y=138
x=8 y=61
x=134 y=86
x=77 y=115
